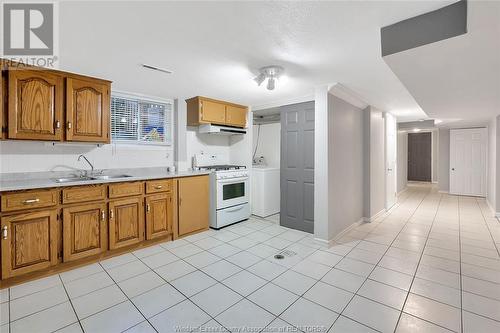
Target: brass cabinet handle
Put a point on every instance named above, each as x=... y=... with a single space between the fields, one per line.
x=158 y=187
x=69 y=125
x=111 y=214
x=4 y=232
x=148 y=208
x=103 y=216
x=30 y=201
x=58 y=124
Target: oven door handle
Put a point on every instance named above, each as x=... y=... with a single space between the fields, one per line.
x=235 y=209
x=231 y=180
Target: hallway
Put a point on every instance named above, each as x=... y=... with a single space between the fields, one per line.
x=444 y=250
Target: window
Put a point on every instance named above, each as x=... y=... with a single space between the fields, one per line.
x=139 y=120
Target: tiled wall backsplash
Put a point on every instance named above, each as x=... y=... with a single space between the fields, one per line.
x=16 y=156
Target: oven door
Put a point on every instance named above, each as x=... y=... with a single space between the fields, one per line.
x=232 y=192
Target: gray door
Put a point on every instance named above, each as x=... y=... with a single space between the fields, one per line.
x=419 y=157
x=297 y=166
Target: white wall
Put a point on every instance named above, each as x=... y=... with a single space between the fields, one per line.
x=444 y=160
x=31 y=156
x=197 y=143
x=346 y=164
x=240 y=146
x=269 y=143
x=322 y=161
x=435 y=155
x=402 y=161
x=492 y=165
x=374 y=142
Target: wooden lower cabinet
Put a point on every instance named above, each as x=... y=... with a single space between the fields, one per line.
x=193 y=204
x=84 y=231
x=29 y=242
x=126 y=222
x=159 y=215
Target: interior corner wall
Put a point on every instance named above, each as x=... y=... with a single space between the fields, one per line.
x=345 y=169
x=444 y=160
x=402 y=178
x=496 y=183
x=322 y=161
x=374 y=161
x=180 y=121
x=269 y=144
x=491 y=188
x=435 y=154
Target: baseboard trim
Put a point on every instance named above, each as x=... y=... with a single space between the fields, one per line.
x=341 y=234
x=493 y=211
x=403 y=190
x=444 y=192
x=374 y=217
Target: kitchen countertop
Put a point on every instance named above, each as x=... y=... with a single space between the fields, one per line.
x=35 y=180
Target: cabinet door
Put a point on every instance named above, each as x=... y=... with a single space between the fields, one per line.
x=193 y=204
x=126 y=222
x=236 y=116
x=84 y=231
x=29 y=242
x=87 y=110
x=158 y=215
x=35 y=105
x=212 y=112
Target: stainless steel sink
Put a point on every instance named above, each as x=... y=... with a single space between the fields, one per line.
x=89 y=178
x=72 y=179
x=105 y=177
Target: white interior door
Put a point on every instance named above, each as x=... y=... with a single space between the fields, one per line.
x=390 y=161
x=468 y=161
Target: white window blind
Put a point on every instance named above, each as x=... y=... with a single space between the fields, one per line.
x=135 y=120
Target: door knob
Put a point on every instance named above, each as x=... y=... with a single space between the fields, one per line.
x=452 y=169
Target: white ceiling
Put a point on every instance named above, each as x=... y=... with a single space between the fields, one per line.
x=457 y=80
x=215 y=48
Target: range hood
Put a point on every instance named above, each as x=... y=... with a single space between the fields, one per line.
x=220 y=130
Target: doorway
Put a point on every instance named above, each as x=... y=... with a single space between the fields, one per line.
x=420 y=157
x=468 y=149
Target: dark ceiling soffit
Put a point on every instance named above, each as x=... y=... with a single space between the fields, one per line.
x=441 y=24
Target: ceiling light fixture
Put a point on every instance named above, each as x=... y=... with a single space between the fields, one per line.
x=163 y=70
x=271 y=73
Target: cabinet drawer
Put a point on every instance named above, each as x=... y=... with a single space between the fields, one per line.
x=84 y=193
x=29 y=199
x=161 y=185
x=126 y=189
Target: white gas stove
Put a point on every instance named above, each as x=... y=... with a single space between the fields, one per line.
x=229 y=190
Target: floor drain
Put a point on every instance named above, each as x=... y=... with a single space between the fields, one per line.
x=279 y=256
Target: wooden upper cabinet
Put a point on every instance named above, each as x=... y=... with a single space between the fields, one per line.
x=193 y=202
x=202 y=110
x=84 y=231
x=35 y=105
x=87 y=110
x=29 y=242
x=159 y=215
x=126 y=222
x=236 y=116
x=212 y=112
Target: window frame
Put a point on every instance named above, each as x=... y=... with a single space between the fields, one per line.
x=169 y=142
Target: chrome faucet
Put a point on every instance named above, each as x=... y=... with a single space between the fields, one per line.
x=91 y=166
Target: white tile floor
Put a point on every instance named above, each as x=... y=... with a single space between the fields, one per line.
x=431 y=264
